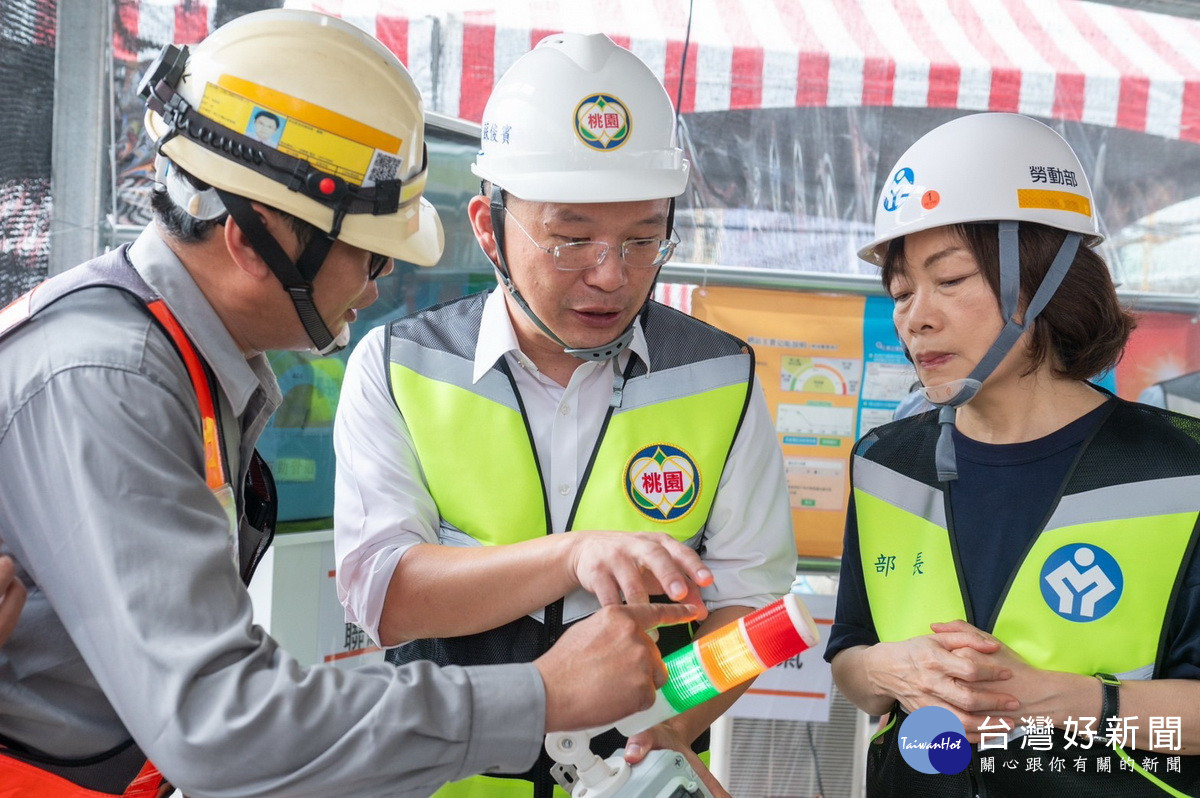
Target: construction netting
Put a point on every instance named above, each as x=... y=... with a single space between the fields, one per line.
x=27 y=35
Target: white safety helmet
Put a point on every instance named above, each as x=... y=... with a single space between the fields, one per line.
x=984 y=168
x=1005 y=169
x=350 y=125
x=546 y=139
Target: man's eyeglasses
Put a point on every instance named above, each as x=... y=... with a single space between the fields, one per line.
x=574 y=256
x=378 y=264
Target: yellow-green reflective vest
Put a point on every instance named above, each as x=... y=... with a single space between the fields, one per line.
x=1094 y=590
x=656 y=465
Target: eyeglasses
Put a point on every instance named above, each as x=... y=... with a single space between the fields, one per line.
x=574 y=256
x=378 y=264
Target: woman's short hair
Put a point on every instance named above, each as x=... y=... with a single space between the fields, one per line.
x=1082 y=332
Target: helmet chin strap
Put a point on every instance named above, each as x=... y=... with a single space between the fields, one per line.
x=955 y=393
x=602 y=352
x=296 y=276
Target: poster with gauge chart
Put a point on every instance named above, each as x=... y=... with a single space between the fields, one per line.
x=830 y=366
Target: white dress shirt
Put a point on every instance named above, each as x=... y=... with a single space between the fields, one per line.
x=382 y=506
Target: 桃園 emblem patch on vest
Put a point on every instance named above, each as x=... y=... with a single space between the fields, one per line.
x=602 y=122
x=662 y=482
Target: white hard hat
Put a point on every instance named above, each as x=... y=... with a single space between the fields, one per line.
x=350 y=125
x=984 y=168
x=580 y=119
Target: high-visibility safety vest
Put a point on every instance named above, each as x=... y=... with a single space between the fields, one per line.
x=25 y=774
x=1093 y=592
x=656 y=465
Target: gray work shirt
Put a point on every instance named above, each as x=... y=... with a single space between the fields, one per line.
x=137 y=624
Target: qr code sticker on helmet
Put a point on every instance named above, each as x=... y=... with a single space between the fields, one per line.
x=383 y=167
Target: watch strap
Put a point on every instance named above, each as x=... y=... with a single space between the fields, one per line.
x=1110 y=706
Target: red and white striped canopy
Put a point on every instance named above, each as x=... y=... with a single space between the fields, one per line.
x=1064 y=59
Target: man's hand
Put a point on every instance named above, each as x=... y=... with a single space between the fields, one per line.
x=12 y=598
x=664 y=735
x=606 y=667
x=636 y=565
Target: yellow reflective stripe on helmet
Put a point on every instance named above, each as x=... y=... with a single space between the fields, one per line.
x=1046 y=199
x=314 y=115
x=325 y=150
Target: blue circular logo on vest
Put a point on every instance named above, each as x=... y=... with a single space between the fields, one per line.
x=933 y=740
x=1082 y=582
x=662 y=482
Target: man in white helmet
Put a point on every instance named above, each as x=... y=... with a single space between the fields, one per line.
x=472 y=436
x=132 y=390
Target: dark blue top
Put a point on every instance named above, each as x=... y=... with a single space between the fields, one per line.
x=1002 y=497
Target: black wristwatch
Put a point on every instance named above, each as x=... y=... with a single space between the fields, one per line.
x=1110 y=706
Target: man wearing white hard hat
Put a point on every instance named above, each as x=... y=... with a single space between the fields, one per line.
x=512 y=461
x=135 y=509
x=1019 y=570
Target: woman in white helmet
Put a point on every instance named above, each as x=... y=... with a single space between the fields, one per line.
x=471 y=436
x=1020 y=559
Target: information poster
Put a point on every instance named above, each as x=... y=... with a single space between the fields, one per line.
x=830 y=367
x=888 y=376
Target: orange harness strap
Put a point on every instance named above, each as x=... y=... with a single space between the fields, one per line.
x=24 y=780
x=19 y=779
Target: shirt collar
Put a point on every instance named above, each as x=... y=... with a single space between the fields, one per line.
x=497 y=337
x=238 y=376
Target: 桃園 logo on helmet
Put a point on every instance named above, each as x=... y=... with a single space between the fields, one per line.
x=662 y=482
x=602 y=122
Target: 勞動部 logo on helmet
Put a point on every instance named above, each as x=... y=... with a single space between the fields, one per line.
x=933 y=740
x=602 y=122
x=898 y=189
x=662 y=482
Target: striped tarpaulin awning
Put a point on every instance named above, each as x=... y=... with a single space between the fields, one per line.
x=1065 y=59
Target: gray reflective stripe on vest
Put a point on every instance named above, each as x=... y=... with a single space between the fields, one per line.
x=1166 y=496
x=910 y=495
x=448 y=367
x=109 y=270
x=683 y=381
x=443 y=344
x=1181 y=404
